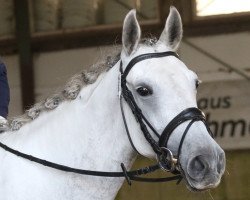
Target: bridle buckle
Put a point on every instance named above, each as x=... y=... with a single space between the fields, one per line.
x=166 y=160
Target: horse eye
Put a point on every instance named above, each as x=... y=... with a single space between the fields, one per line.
x=197 y=83
x=143 y=91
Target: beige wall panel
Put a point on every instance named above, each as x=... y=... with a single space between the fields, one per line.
x=231 y=48
x=54 y=69
x=206 y=68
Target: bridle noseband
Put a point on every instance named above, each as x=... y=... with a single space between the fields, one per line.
x=166 y=159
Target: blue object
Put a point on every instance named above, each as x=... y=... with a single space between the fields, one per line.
x=4 y=91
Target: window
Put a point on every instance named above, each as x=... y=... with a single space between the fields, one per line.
x=206 y=17
x=221 y=7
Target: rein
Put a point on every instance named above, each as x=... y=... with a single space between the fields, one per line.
x=129 y=175
x=166 y=160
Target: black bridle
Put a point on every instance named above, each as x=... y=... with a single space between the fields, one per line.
x=166 y=160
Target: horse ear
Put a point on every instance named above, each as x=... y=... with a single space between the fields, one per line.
x=172 y=33
x=131 y=33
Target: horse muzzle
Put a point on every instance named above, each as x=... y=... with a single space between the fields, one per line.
x=204 y=171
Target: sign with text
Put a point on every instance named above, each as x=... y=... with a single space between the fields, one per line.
x=227 y=107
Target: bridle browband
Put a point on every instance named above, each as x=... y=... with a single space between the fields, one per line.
x=166 y=160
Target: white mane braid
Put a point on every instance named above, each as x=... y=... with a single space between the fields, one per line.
x=69 y=92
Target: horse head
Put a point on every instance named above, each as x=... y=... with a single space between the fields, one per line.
x=162 y=87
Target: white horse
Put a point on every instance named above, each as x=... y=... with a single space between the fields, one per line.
x=88 y=131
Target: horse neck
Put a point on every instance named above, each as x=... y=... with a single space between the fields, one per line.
x=85 y=133
x=107 y=132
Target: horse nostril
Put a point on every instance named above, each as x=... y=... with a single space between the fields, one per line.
x=221 y=163
x=197 y=164
x=197 y=168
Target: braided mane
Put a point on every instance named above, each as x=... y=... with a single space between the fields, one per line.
x=68 y=93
